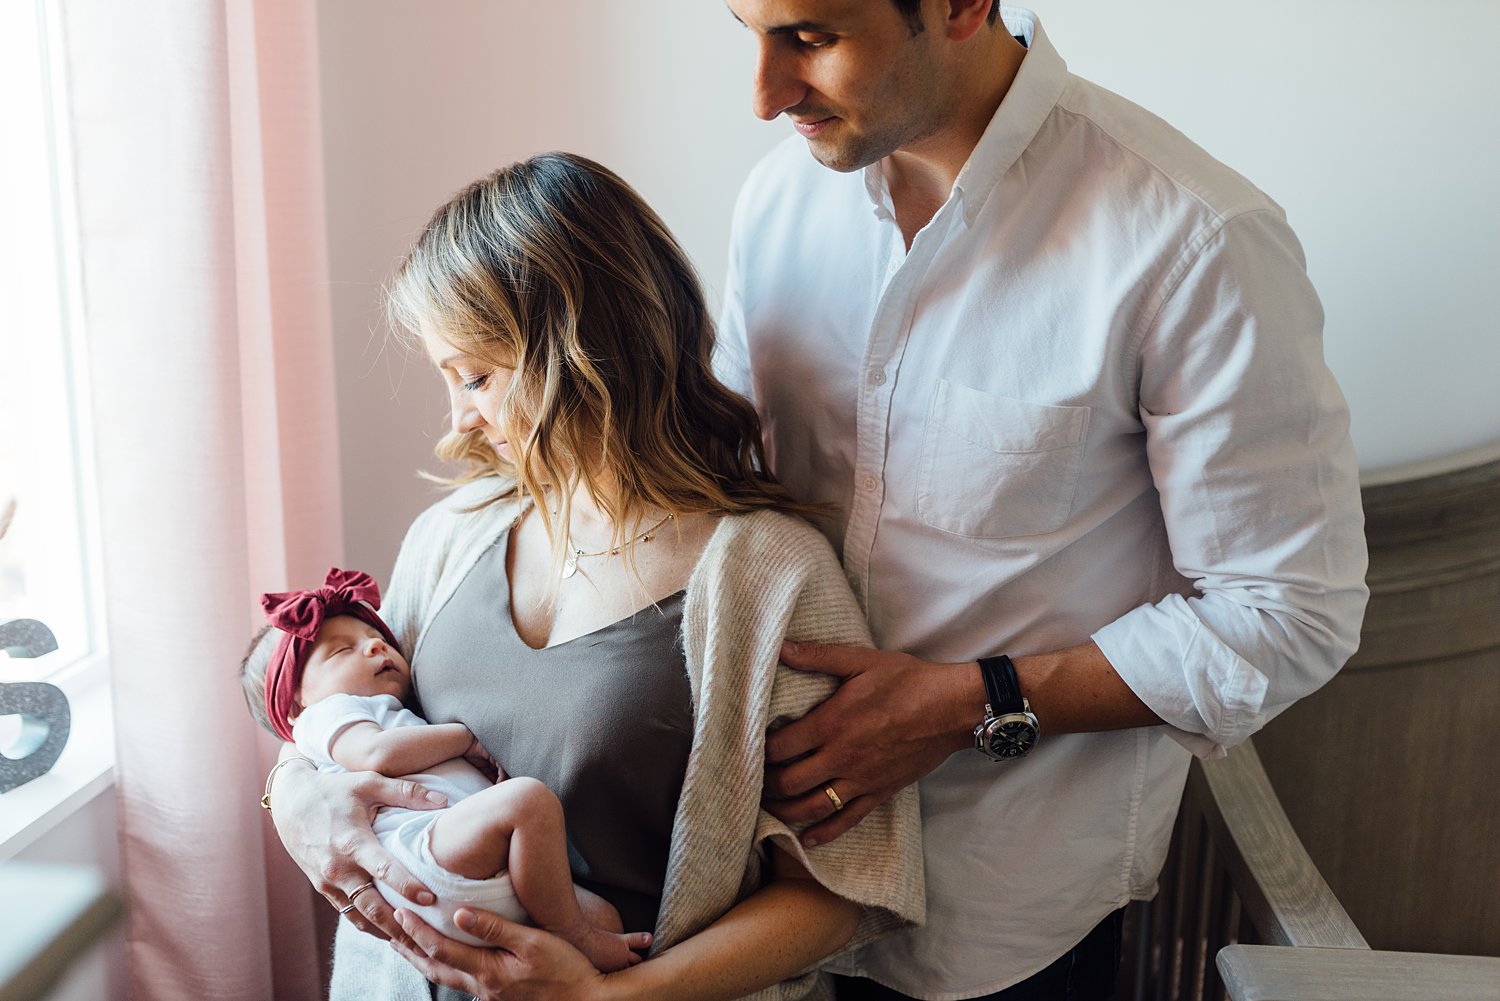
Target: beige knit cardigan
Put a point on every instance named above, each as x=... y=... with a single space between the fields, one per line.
x=762 y=577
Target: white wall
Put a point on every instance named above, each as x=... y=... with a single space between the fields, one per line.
x=1375 y=126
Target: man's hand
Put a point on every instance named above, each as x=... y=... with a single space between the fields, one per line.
x=893 y=719
x=526 y=964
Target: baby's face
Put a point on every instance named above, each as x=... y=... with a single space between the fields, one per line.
x=352 y=658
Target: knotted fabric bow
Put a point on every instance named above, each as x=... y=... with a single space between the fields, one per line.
x=299 y=615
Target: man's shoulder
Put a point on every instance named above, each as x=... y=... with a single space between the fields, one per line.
x=1159 y=152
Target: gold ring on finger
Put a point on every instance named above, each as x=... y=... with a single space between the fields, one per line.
x=833 y=798
x=355 y=895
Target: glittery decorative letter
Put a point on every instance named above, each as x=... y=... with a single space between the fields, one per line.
x=45 y=717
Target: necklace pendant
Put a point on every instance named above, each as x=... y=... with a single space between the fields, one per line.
x=570 y=562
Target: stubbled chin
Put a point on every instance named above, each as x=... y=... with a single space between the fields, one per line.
x=833 y=161
x=834 y=156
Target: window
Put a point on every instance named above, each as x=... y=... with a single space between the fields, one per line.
x=48 y=553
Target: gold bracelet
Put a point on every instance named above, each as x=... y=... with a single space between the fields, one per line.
x=265 y=799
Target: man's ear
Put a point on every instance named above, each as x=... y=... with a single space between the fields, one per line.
x=966 y=17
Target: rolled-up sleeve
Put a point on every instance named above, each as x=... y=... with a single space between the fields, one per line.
x=1248 y=442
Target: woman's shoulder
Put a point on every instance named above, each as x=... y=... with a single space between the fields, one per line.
x=771 y=536
x=768 y=545
x=461 y=521
x=472 y=504
x=473 y=495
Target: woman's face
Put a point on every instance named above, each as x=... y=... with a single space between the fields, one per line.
x=476 y=389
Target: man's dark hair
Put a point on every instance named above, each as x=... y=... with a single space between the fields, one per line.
x=912 y=11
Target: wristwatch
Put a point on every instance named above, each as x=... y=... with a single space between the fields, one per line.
x=1008 y=729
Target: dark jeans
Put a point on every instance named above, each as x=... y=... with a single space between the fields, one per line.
x=1085 y=972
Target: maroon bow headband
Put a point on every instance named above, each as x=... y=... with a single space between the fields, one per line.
x=299 y=615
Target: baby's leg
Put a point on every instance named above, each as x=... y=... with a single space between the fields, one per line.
x=517 y=825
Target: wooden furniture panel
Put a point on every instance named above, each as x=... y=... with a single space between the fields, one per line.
x=1263 y=973
x=1389 y=773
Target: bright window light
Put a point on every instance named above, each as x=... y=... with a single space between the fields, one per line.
x=49 y=567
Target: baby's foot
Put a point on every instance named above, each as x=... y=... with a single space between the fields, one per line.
x=610 y=951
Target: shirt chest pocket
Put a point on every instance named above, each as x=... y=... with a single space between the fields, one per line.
x=994 y=467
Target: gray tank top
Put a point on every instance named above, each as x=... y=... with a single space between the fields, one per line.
x=604 y=720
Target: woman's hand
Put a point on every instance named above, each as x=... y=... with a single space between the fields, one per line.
x=786 y=926
x=324 y=823
x=527 y=964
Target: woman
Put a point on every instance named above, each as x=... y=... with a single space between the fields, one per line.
x=602 y=601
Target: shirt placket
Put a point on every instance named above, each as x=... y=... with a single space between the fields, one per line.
x=890 y=331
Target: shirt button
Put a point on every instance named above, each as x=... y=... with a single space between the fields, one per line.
x=869 y=483
x=878 y=377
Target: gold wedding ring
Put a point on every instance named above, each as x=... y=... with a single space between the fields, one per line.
x=355 y=896
x=833 y=797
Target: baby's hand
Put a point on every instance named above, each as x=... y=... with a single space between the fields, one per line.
x=481 y=759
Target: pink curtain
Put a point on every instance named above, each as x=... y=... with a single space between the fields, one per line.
x=198 y=157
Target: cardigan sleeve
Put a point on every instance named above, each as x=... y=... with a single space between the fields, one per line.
x=878 y=862
x=417 y=562
x=438 y=536
x=763 y=578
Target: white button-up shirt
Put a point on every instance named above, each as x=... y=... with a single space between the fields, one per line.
x=1089 y=401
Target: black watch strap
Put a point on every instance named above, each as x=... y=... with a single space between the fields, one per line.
x=1001 y=685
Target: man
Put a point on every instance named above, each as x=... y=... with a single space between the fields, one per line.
x=1060 y=374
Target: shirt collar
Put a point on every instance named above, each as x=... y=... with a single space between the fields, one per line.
x=1031 y=97
x=877 y=191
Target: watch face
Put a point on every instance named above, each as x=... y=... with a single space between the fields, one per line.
x=1011 y=737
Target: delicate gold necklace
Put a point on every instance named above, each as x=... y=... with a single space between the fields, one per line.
x=570 y=565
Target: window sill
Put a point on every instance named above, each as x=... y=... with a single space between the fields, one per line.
x=68 y=909
x=85 y=769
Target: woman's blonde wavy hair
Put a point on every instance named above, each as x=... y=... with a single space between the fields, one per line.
x=554 y=267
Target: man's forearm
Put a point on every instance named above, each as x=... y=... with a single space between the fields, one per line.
x=1076 y=690
x=923 y=712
